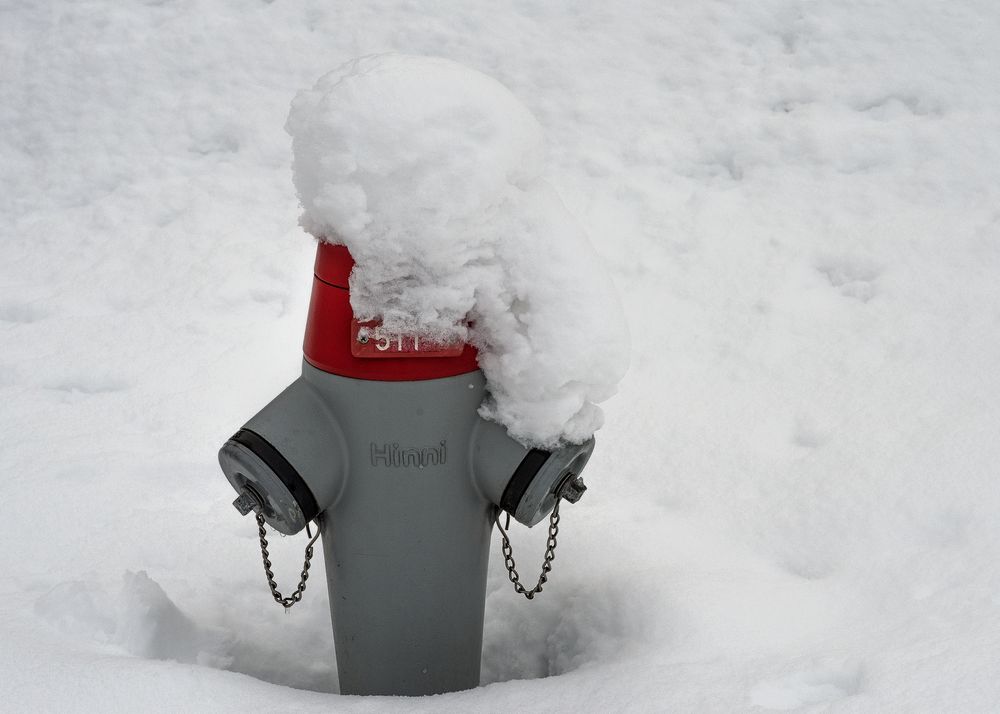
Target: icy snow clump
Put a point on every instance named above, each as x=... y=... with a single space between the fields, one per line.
x=429 y=173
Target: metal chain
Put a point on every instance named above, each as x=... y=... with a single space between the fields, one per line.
x=550 y=554
x=296 y=596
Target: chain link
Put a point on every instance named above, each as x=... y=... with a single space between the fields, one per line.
x=505 y=546
x=285 y=602
x=550 y=554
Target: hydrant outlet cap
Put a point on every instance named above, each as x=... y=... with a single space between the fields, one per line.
x=531 y=500
x=264 y=480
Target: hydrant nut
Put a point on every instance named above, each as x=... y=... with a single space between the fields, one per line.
x=573 y=488
x=245 y=503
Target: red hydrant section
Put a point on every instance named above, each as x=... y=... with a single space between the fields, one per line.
x=329 y=341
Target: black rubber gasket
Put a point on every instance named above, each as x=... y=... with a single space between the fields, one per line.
x=279 y=465
x=523 y=475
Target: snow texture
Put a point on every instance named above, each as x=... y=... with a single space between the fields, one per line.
x=793 y=504
x=429 y=173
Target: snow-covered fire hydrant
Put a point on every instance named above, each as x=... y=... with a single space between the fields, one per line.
x=379 y=441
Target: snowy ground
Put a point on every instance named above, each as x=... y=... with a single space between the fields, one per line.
x=794 y=501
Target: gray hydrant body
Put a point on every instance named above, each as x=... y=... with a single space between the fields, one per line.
x=405 y=479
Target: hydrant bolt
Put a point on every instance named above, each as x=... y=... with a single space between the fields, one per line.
x=572 y=488
x=246 y=502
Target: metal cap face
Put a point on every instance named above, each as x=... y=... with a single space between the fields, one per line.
x=250 y=475
x=540 y=496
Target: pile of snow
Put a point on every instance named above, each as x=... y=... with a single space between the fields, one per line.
x=429 y=173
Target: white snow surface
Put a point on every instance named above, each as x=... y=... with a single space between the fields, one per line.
x=793 y=502
x=429 y=173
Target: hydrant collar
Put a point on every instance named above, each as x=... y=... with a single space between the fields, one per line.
x=328 y=339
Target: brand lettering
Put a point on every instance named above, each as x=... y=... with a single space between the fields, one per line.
x=393 y=455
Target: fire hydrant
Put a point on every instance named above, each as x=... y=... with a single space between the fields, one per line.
x=379 y=441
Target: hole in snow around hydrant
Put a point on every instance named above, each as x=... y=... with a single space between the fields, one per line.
x=569 y=625
x=142 y=621
x=563 y=628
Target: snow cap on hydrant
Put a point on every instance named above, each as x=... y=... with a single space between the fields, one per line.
x=432 y=396
x=430 y=174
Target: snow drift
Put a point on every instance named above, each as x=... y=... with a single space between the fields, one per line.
x=429 y=173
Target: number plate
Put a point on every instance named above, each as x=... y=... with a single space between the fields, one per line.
x=369 y=341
